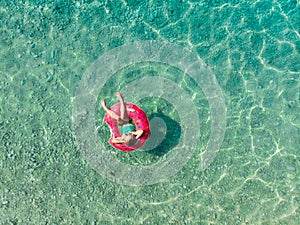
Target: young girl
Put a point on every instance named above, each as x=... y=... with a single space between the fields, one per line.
x=129 y=133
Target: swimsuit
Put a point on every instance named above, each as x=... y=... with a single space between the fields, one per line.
x=127 y=127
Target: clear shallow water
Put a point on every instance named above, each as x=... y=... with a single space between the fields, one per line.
x=253 y=49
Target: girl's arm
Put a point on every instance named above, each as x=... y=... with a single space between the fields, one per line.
x=138 y=133
x=118 y=140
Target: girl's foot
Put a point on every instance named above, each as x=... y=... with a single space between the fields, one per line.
x=103 y=103
x=118 y=94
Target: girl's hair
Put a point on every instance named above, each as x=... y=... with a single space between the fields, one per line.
x=130 y=142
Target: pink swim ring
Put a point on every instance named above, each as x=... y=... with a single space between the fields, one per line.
x=140 y=119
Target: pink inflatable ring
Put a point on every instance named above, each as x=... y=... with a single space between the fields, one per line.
x=140 y=119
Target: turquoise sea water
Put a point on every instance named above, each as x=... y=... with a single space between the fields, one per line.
x=252 y=48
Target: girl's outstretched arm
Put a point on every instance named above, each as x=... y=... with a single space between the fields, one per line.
x=118 y=140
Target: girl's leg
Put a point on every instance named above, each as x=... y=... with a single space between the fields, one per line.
x=123 y=110
x=110 y=112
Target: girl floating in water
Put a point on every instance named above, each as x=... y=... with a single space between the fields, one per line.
x=130 y=134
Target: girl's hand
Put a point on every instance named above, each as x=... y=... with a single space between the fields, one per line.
x=138 y=133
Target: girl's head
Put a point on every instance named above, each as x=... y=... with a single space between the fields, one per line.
x=129 y=139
